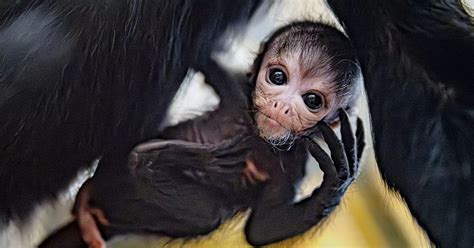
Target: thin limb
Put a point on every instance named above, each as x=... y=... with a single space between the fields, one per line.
x=219 y=165
x=276 y=218
x=87 y=217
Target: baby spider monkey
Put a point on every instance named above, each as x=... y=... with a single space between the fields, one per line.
x=201 y=172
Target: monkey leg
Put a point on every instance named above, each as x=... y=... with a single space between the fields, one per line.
x=217 y=165
x=168 y=192
x=173 y=204
x=88 y=216
x=170 y=204
x=177 y=188
x=276 y=217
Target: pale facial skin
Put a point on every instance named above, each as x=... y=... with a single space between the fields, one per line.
x=289 y=100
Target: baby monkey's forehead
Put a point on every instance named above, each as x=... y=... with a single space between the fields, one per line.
x=312 y=66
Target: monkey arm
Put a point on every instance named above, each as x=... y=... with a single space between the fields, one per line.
x=84 y=231
x=434 y=35
x=276 y=217
x=218 y=165
x=161 y=168
x=172 y=191
x=416 y=57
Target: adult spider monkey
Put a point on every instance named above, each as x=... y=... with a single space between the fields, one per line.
x=193 y=177
x=419 y=52
x=83 y=79
x=417 y=61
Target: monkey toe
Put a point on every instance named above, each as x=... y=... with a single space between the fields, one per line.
x=253 y=173
x=89 y=230
x=99 y=216
x=97 y=244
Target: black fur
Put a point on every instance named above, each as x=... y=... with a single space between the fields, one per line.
x=417 y=60
x=191 y=178
x=81 y=79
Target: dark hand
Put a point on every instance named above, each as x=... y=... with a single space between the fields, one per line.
x=341 y=169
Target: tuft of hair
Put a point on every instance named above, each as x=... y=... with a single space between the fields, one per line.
x=323 y=50
x=283 y=142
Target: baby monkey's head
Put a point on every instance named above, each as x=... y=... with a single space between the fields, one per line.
x=305 y=72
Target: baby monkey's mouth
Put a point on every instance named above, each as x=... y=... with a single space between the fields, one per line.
x=279 y=137
x=272 y=119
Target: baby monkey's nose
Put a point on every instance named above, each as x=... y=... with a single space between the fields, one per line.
x=281 y=108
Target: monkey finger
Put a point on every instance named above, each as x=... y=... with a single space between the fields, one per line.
x=323 y=159
x=348 y=140
x=360 y=136
x=338 y=154
x=252 y=170
x=89 y=229
x=99 y=216
x=312 y=132
x=249 y=177
x=91 y=238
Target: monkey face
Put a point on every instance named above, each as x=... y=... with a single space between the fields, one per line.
x=289 y=100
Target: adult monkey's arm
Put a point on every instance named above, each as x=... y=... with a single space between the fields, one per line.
x=416 y=57
x=86 y=79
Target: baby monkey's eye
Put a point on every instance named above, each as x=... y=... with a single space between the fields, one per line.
x=277 y=76
x=313 y=100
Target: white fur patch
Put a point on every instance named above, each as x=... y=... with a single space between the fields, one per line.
x=193 y=98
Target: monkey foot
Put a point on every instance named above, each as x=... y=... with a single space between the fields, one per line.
x=99 y=216
x=87 y=219
x=252 y=174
